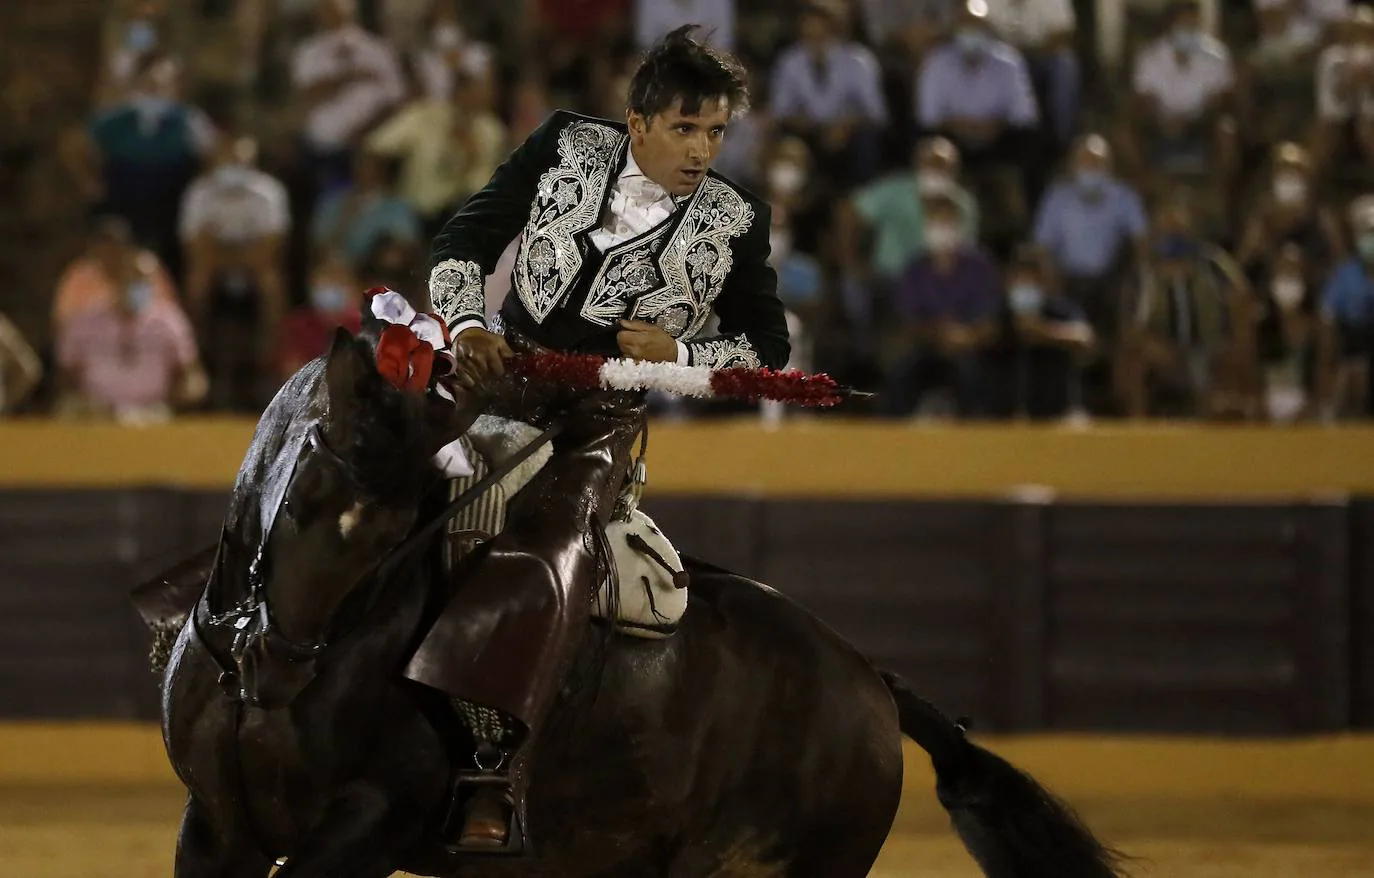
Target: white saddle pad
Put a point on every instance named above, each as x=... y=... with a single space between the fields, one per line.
x=650 y=604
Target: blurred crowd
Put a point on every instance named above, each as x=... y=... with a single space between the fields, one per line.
x=972 y=213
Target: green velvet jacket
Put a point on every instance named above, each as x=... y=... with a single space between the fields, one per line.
x=710 y=255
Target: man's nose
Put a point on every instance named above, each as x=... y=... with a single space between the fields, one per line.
x=698 y=148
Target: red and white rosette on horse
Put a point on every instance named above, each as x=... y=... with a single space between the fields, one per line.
x=413 y=347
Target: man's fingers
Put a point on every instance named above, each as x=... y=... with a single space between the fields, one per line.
x=637 y=325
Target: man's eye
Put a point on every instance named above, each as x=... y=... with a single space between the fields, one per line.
x=684 y=129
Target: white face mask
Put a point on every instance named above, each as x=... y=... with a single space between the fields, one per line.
x=1025 y=298
x=1290 y=189
x=933 y=182
x=447 y=37
x=942 y=237
x=1288 y=291
x=785 y=178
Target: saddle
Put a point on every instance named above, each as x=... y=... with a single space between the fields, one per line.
x=650 y=585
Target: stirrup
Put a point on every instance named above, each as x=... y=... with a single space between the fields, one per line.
x=468 y=784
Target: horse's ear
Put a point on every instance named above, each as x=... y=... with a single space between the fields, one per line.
x=347 y=367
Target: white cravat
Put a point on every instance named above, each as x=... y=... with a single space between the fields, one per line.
x=636 y=205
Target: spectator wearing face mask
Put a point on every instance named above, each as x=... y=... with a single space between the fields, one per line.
x=1344 y=131
x=129 y=41
x=1189 y=347
x=136 y=159
x=335 y=297
x=1287 y=335
x=1182 y=121
x=946 y=305
x=1347 y=322
x=449 y=54
x=448 y=149
x=352 y=221
x=1033 y=367
x=134 y=358
x=1092 y=225
x=234 y=223
x=828 y=91
x=976 y=90
x=1289 y=213
x=891 y=213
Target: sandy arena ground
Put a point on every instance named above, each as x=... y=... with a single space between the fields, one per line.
x=1225 y=811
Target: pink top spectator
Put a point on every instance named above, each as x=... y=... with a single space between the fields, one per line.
x=127 y=362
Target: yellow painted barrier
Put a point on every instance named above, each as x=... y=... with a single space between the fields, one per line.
x=803 y=458
x=1337 y=769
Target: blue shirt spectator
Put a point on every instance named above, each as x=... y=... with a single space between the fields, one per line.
x=1086 y=222
x=823 y=79
x=1348 y=297
x=975 y=77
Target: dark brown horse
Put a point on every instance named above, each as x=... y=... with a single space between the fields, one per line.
x=754 y=741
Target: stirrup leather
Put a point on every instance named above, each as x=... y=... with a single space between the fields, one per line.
x=469 y=783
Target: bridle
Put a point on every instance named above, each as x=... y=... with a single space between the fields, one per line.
x=252 y=618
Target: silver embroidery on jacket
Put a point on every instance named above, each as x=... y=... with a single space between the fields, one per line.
x=568 y=201
x=697 y=258
x=455 y=290
x=719 y=353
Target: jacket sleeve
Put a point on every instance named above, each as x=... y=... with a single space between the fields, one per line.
x=468 y=246
x=753 y=324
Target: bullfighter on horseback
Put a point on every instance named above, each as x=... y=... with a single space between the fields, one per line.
x=629 y=242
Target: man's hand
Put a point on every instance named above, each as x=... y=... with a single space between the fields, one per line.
x=480 y=357
x=645 y=341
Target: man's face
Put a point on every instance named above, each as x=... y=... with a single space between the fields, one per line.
x=816 y=29
x=674 y=149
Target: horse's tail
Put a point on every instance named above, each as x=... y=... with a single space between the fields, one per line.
x=1012 y=826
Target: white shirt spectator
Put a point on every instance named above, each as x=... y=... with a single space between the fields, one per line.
x=654 y=18
x=1029 y=23
x=235 y=205
x=1184 y=87
x=334 y=123
x=1334 y=65
x=850 y=85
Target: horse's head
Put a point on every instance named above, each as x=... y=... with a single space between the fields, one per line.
x=332 y=485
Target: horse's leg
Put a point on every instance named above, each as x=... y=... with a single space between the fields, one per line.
x=361 y=835
x=203 y=851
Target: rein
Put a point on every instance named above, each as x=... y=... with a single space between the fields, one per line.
x=258 y=609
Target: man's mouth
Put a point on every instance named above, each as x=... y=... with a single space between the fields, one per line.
x=693 y=173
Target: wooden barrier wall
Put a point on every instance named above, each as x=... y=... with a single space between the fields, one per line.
x=1232 y=618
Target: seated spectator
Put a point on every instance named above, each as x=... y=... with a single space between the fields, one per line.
x=976 y=89
x=1182 y=123
x=92 y=283
x=1092 y=226
x=395 y=263
x=234 y=224
x=569 y=37
x=136 y=159
x=1043 y=31
x=1287 y=334
x=1344 y=132
x=347 y=79
x=134 y=358
x=828 y=91
x=1277 y=76
x=448 y=149
x=335 y=297
x=1287 y=212
x=891 y=212
x=654 y=18
x=1347 y=322
x=449 y=53
x=20 y=368
x=947 y=303
x=1189 y=346
x=1033 y=366
x=352 y=220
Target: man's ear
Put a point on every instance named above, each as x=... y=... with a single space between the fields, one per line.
x=638 y=123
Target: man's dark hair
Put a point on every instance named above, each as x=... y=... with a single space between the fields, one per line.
x=680 y=67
